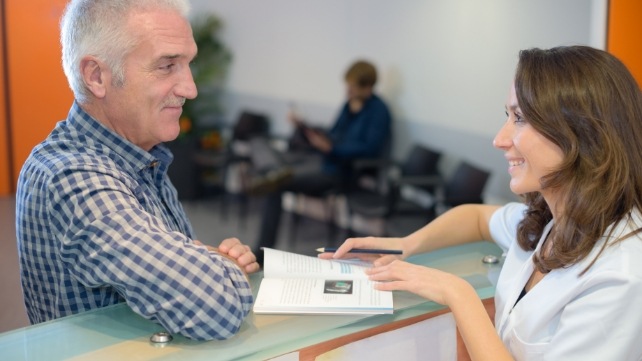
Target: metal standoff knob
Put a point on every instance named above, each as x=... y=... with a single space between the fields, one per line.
x=490 y=259
x=161 y=337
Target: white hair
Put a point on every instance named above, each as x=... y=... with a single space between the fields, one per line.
x=98 y=28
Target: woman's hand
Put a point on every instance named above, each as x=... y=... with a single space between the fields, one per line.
x=429 y=283
x=368 y=242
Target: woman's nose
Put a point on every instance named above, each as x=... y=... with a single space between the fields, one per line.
x=502 y=139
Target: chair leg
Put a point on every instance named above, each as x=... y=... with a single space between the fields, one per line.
x=349 y=231
x=295 y=218
x=329 y=213
x=294 y=225
x=223 y=205
x=384 y=231
x=243 y=205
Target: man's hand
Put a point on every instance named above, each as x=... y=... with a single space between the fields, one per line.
x=294 y=119
x=318 y=140
x=233 y=249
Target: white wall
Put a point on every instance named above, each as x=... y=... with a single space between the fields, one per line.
x=445 y=65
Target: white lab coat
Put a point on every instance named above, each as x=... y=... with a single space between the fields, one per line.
x=596 y=316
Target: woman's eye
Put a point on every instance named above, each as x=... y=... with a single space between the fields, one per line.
x=518 y=118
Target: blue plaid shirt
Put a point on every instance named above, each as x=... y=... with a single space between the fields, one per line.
x=98 y=222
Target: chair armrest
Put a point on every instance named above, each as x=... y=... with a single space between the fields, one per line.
x=279 y=142
x=435 y=181
x=210 y=158
x=381 y=163
x=427 y=180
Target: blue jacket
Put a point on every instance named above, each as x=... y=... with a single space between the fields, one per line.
x=358 y=135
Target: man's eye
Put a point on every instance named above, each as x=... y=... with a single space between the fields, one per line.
x=167 y=67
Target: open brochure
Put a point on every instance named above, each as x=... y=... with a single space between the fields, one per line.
x=298 y=284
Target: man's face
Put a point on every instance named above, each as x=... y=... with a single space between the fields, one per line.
x=158 y=79
x=356 y=92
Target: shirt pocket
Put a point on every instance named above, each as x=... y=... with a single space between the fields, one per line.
x=523 y=350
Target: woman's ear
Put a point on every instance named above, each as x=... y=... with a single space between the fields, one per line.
x=95 y=75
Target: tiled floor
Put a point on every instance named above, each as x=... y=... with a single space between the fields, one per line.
x=208 y=222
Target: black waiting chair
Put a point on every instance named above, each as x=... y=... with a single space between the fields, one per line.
x=328 y=200
x=355 y=171
x=420 y=170
x=465 y=186
x=237 y=155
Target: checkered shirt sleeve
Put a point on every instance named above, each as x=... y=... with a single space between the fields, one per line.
x=94 y=229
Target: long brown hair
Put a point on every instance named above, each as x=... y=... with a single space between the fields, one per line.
x=586 y=102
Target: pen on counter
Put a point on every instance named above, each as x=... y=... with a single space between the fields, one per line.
x=363 y=250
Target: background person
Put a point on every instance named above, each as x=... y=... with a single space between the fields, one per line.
x=571 y=284
x=362 y=129
x=98 y=220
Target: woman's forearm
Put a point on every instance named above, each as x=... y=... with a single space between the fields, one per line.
x=459 y=225
x=474 y=324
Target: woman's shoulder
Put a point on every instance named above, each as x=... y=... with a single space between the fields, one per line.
x=508 y=215
x=627 y=232
x=623 y=250
x=503 y=224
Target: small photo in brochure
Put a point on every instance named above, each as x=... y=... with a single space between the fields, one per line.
x=340 y=287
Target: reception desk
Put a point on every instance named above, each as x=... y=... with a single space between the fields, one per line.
x=117 y=333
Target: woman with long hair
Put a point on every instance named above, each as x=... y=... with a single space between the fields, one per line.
x=571 y=284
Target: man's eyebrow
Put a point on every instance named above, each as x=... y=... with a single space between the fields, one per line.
x=169 y=57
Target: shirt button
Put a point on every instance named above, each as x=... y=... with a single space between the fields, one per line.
x=153 y=164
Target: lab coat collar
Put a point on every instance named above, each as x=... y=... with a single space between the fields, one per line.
x=523 y=276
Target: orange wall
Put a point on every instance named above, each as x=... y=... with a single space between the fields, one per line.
x=5 y=183
x=39 y=92
x=624 y=38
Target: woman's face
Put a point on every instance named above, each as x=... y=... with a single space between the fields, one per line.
x=530 y=155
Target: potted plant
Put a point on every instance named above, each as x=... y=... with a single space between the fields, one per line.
x=198 y=122
x=208 y=70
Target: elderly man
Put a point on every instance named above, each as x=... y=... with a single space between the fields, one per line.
x=98 y=220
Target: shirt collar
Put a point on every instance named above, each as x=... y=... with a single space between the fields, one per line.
x=135 y=156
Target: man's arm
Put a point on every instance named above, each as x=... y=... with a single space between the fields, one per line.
x=111 y=240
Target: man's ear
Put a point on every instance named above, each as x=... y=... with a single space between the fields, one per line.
x=95 y=75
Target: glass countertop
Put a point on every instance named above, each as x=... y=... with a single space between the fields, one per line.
x=116 y=332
